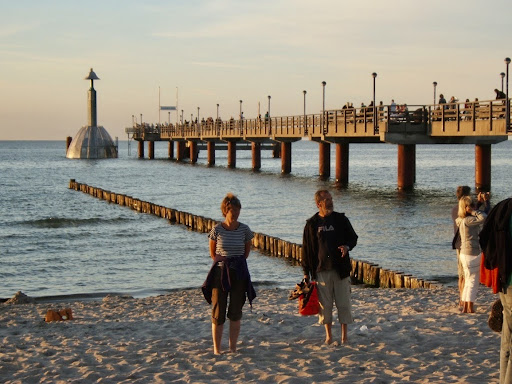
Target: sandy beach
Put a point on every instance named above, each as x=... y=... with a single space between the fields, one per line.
x=399 y=335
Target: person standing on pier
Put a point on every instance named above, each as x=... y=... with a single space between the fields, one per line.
x=328 y=237
x=230 y=243
x=442 y=100
x=500 y=95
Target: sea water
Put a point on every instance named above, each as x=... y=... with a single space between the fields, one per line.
x=56 y=241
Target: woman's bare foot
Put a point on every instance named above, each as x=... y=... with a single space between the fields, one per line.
x=328 y=341
x=468 y=307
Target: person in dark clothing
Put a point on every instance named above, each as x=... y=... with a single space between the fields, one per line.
x=500 y=95
x=496 y=243
x=442 y=100
x=328 y=237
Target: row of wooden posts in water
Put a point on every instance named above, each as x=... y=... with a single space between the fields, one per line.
x=362 y=272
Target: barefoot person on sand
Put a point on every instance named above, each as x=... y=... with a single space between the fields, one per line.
x=328 y=237
x=470 y=222
x=230 y=243
x=462 y=190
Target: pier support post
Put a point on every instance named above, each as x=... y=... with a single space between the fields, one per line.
x=171 y=149
x=210 y=148
x=406 y=166
x=180 y=153
x=193 y=151
x=324 y=159
x=231 y=154
x=140 y=149
x=286 y=157
x=256 y=156
x=151 y=149
x=276 y=151
x=342 y=151
x=483 y=167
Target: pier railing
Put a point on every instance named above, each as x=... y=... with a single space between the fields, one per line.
x=455 y=119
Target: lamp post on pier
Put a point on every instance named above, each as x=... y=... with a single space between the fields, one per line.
x=305 y=122
x=435 y=85
x=141 y=119
x=240 y=111
x=323 y=106
x=198 y=115
x=182 y=116
x=133 y=120
x=507 y=121
x=268 y=113
x=375 y=117
x=169 y=118
x=217 y=112
x=502 y=74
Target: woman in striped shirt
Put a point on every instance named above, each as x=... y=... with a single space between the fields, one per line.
x=230 y=243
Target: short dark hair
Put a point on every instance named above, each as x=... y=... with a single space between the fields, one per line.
x=462 y=190
x=229 y=201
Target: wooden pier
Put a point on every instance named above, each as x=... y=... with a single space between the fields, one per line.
x=480 y=123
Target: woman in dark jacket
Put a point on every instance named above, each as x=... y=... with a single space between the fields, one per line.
x=496 y=243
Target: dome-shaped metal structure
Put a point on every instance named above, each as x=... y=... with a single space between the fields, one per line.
x=92 y=141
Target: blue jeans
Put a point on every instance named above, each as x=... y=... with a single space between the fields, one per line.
x=506 y=338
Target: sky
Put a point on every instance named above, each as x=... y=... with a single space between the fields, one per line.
x=221 y=52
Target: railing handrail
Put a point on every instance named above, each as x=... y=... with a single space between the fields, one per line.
x=425 y=113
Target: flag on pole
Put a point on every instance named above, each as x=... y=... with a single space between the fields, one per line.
x=168 y=108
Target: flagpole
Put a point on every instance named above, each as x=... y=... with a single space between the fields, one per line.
x=159 y=105
x=177 y=109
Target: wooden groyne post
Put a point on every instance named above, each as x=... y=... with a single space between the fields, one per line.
x=363 y=272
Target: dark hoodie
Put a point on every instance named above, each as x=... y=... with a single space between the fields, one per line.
x=496 y=241
x=345 y=235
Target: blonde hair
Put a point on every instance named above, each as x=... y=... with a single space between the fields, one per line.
x=464 y=202
x=229 y=201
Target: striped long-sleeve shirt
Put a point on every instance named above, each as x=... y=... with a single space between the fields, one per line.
x=231 y=243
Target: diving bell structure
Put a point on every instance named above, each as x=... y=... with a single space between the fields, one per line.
x=91 y=141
